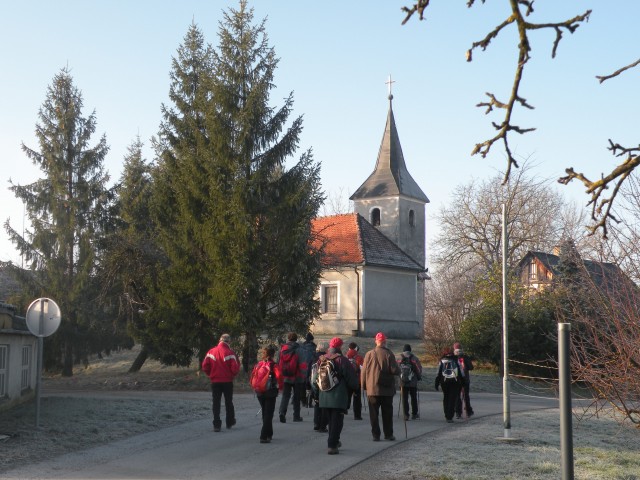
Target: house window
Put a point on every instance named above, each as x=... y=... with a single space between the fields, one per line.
x=26 y=368
x=412 y=218
x=533 y=270
x=329 y=299
x=4 y=353
x=375 y=217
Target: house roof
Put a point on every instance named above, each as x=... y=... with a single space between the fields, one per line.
x=350 y=240
x=601 y=273
x=390 y=176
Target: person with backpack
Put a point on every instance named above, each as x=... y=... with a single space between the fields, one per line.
x=356 y=362
x=410 y=375
x=294 y=372
x=334 y=379
x=377 y=378
x=466 y=365
x=320 y=420
x=450 y=378
x=266 y=380
x=308 y=355
x=221 y=365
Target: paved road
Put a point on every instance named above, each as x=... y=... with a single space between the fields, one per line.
x=193 y=451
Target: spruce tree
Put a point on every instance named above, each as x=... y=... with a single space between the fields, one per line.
x=68 y=211
x=237 y=229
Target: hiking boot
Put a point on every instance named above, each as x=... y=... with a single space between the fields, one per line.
x=469 y=413
x=390 y=438
x=283 y=419
x=264 y=440
x=357 y=418
x=339 y=444
x=406 y=417
x=231 y=424
x=333 y=451
x=376 y=439
x=449 y=420
x=323 y=430
x=297 y=419
x=415 y=416
x=216 y=429
x=458 y=417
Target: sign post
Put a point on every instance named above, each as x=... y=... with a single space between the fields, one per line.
x=43 y=319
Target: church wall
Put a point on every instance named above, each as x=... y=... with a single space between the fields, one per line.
x=391 y=303
x=389 y=211
x=344 y=321
x=411 y=239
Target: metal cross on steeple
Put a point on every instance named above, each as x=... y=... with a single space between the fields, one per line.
x=389 y=83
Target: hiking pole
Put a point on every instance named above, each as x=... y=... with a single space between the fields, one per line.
x=258 y=412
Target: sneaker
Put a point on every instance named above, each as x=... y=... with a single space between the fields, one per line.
x=391 y=438
x=283 y=419
x=297 y=419
x=333 y=451
x=415 y=416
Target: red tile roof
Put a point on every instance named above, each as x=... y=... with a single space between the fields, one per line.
x=349 y=239
x=341 y=238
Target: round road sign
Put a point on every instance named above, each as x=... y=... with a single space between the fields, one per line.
x=43 y=317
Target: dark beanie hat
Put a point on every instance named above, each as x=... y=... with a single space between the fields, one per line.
x=353 y=345
x=309 y=337
x=407 y=348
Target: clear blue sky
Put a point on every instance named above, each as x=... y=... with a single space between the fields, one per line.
x=336 y=56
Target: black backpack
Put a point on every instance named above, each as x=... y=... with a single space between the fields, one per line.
x=328 y=377
x=407 y=373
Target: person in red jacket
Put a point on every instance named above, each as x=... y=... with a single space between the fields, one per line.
x=221 y=365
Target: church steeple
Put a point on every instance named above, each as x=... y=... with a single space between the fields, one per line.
x=390 y=199
x=390 y=176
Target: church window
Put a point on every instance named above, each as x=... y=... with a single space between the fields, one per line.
x=533 y=270
x=375 y=217
x=412 y=218
x=329 y=299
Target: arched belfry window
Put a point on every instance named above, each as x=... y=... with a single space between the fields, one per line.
x=375 y=217
x=412 y=218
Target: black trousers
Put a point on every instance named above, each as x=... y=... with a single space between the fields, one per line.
x=357 y=403
x=407 y=392
x=336 y=421
x=464 y=395
x=297 y=389
x=217 y=391
x=451 y=391
x=268 y=405
x=385 y=406
x=320 y=419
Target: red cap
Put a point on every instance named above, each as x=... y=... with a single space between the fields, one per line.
x=456 y=346
x=380 y=337
x=335 y=342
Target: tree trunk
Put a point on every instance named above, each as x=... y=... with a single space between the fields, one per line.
x=139 y=361
x=249 y=351
x=67 y=364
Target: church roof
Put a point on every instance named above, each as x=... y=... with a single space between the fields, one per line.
x=390 y=177
x=349 y=239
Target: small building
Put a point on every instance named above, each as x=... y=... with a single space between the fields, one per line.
x=18 y=350
x=374 y=263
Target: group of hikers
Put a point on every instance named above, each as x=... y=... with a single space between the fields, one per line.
x=322 y=377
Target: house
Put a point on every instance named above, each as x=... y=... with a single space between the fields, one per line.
x=537 y=271
x=374 y=262
x=18 y=350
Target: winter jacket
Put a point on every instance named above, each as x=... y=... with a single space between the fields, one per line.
x=338 y=397
x=290 y=355
x=440 y=379
x=275 y=369
x=221 y=364
x=307 y=353
x=416 y=366
x=356 y=361
x=379 y=371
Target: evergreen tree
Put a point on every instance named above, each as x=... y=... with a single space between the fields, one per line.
x=68 y=210
x=234 y=222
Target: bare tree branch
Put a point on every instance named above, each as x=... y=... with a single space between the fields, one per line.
x=602 y=78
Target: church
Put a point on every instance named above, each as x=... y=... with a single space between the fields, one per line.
x=374 y=263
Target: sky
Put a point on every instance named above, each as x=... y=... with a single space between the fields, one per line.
x=336 y=58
